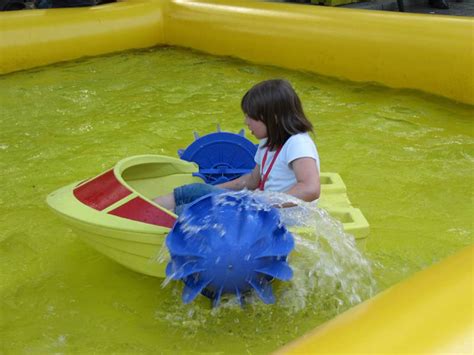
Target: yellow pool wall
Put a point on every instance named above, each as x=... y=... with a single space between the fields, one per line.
x=33 y=38
x=416 y=51
x=430 y=313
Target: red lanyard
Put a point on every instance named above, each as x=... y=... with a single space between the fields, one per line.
x=264 y=176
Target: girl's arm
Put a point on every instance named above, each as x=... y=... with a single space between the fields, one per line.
x=249 y=181
x=307 y=187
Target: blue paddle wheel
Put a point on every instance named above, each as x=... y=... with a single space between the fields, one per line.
x=229 y=243
x=221 y=156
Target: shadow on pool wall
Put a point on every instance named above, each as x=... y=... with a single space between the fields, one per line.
x=398 y=50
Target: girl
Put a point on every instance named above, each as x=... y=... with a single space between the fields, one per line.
x=286 y=159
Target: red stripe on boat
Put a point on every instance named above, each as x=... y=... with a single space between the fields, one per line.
x=142 y=211
x=101 y=192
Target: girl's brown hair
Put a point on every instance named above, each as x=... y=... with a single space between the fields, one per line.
x=276 y=104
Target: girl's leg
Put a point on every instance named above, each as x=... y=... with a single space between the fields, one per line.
x=183 y=195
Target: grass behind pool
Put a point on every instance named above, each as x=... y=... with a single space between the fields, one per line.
x=406 y=158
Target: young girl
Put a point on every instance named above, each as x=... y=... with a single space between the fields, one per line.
x=286 y=159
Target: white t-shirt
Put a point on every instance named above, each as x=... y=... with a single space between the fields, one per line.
x=282 y=176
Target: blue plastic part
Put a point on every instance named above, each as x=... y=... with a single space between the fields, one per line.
x=221 y=156
x=229 y=243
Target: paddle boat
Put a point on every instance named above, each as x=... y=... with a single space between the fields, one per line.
x=115 y=214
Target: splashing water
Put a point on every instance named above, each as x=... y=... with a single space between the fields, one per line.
x=329 y=269
x=330 y=273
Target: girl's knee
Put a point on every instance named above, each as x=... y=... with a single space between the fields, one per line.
x=186 y=194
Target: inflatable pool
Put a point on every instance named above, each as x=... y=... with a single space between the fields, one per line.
x=380 y=47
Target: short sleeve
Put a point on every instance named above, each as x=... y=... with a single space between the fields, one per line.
x=301 y=146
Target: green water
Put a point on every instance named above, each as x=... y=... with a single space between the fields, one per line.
x=406 y=158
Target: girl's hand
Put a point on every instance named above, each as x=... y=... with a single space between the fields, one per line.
x=284 y=205
x=247 y=181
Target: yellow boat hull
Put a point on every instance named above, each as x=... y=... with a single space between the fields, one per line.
x=138 y=244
